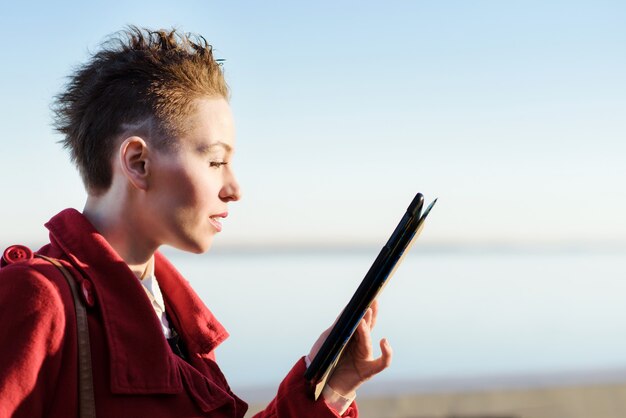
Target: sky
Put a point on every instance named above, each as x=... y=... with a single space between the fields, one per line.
x=512 y=113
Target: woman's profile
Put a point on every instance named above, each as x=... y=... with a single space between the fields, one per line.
x=147 y=121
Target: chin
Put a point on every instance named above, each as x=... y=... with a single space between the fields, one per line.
x=201 y=249
x=196 y=246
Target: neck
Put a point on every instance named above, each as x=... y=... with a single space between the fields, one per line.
x=120 y=225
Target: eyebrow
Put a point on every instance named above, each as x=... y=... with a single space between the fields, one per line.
x=206 y=148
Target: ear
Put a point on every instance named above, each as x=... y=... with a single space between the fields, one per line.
x=135 y=161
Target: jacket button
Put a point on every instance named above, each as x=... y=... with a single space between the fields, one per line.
x=87 y=292
x=16 y=253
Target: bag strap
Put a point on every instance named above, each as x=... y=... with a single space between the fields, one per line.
x=86 y=398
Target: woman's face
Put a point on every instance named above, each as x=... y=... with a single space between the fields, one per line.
x=192 y=185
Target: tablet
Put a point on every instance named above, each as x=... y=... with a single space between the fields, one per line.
x=388 y=260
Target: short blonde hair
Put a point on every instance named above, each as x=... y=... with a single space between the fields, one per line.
x=139 y=78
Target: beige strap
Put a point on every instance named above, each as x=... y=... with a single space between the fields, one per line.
x=87 y=402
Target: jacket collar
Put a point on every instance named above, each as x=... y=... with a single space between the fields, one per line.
x=140 y=358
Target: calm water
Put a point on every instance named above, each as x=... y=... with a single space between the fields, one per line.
x=447 y=315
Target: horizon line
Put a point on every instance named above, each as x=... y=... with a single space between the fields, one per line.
x=428 y=247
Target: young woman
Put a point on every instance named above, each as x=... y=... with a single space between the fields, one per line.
x=148 y=123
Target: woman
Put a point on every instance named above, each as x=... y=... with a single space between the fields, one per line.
x=148 y=124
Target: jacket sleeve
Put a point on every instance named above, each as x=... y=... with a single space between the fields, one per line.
x=293 y=400
x=32 y=323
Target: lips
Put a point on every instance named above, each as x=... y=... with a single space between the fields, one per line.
x=215 y=220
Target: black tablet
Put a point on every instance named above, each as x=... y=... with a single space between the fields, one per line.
x=382 y=269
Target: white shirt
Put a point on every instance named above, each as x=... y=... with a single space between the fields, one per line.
x=151 y=286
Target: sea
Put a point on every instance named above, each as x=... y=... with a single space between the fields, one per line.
x=453 y=316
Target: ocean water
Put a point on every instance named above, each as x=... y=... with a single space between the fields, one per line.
x=447 y=315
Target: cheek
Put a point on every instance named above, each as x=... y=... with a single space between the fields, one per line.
x=188 y=190
x=193 y=193
x=181 y=188
x=206 y=197
x=174 y=194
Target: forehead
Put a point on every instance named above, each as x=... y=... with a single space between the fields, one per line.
x=210 y=126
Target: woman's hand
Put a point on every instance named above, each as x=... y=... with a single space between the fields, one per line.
x=357 y=363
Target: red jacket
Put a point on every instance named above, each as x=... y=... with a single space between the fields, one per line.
x=135 y=372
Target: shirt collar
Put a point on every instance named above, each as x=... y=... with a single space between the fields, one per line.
x=151 y=286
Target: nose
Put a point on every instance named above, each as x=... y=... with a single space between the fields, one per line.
x=231 y=192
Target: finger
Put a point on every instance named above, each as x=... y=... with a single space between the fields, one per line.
x=363 y=343
x=374 y=307
x=368 y=317
x=386 y=352
x=381 y=363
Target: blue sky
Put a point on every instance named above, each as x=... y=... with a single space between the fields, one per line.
x=512 y=113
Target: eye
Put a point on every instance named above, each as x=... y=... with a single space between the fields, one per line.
x=217 y=164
